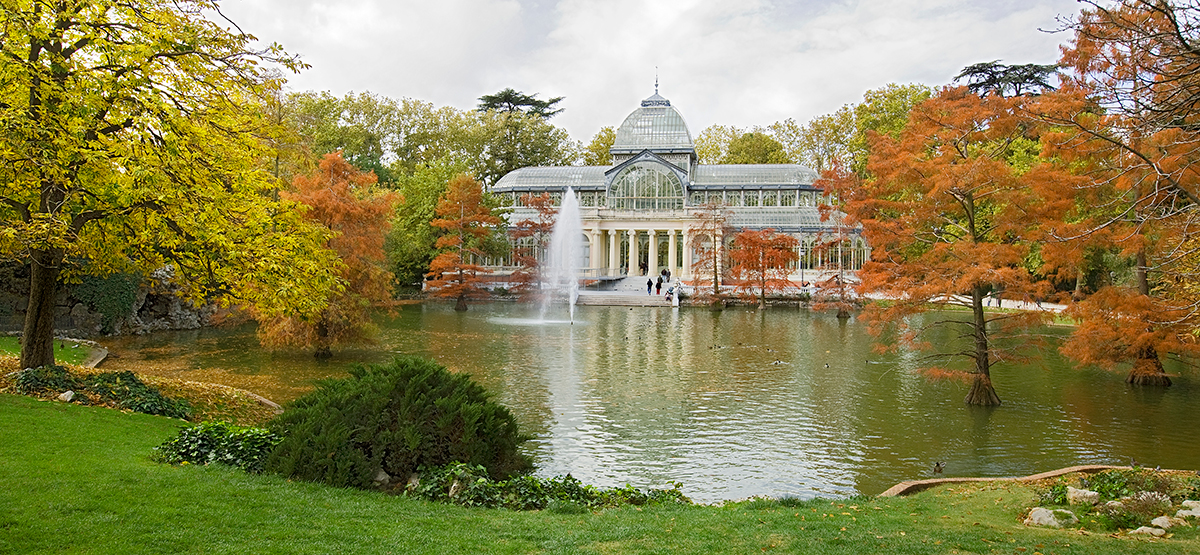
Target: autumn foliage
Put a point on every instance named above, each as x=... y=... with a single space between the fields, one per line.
x=1126 y=120
x=530 y=237
x=465 y=221
x=344 y=200
x=948 y=216
x=762 y=261
x=710 y=228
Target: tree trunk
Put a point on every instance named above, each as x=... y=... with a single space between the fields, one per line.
x=982 y=393
x=461 y=304
x=1148 y=369
x=322 y=351
x=37 y=342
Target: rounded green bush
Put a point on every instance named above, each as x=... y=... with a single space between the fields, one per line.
x=396 y=417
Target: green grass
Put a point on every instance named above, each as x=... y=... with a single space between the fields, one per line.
x=68 y=352
x=79 y=480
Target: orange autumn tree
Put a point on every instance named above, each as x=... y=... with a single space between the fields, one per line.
x=344 y=200
x=530 y=238
x=466 y=221
x=946 y=217
x=1128 y=119
x=709 y=229
x=762 y=261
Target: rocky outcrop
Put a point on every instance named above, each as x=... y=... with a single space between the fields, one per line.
x=1082 y=496
x=1056 y=518
x=157 y=306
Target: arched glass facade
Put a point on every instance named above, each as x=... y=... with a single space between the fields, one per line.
x=646 y=186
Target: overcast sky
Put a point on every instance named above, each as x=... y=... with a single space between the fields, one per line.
x=729 y=62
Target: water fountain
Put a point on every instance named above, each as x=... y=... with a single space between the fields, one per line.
x=564 y=255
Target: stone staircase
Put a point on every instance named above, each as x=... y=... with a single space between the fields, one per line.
x=630 y=291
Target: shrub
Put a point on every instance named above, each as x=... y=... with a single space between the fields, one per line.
x=469 y=485
x=1136 y=510
x=219 y=442
x=121 y=389
x=45 y=380
x=395 y=417
x=128 y=392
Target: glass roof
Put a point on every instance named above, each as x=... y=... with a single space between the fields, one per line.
x=753 y=174
x=781 y=219
x=655 y=125
x=579 y=177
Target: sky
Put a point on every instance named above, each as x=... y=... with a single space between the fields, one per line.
x=729 y=62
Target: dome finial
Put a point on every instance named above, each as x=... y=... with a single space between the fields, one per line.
x=655 y=79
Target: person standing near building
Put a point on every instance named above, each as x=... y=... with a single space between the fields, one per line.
x=658 y=286
x=649 y=286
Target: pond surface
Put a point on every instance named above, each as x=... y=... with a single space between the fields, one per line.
x=781 y=402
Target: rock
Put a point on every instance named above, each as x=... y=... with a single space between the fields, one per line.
x=66 y=396
x=1082 y=496
x=1191 y=504
x=1167 y=522
x=1114 y=505
x=1186 y=513
x=456 y=488
x=414 y=481
x=381 y=478
x=1057 y=518
x=1148 y=531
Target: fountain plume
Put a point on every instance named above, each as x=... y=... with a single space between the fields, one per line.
x=564 y=256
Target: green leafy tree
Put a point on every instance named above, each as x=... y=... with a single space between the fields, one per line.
x=996 y=78
x=597 y=153
x=126 y=145
x=712 y=145
x=510 y=101
x=410 y=245
x=844 y=135
x=357 y=125
x=506 y=141
x=755 y=148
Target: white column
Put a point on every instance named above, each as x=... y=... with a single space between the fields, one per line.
x=614 y=253
x=652 y=256
x=672 y=258
x=594 y=249
x=633 y=252
x=685 y=271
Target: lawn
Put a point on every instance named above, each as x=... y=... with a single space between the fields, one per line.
x=68 y=352
x=79 y=480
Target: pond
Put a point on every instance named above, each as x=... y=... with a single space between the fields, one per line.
x=733 y=403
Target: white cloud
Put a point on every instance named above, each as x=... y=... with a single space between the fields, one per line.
x=726 y=62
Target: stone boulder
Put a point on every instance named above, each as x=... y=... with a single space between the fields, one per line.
x=1167 y=522
x=1082 y=496
x=1056 y=518
x=1190 y=509
x=1148 y=531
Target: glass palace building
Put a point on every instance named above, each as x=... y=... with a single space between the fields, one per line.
x=639 y=214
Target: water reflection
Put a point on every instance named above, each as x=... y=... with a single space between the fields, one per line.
x=732 y=403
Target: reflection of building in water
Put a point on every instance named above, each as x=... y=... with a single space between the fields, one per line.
x=639 y=212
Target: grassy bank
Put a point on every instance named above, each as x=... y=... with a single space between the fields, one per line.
x=79 y=480
x=65 y=352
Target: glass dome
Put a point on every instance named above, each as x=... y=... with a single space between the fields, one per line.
x=656 y=125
